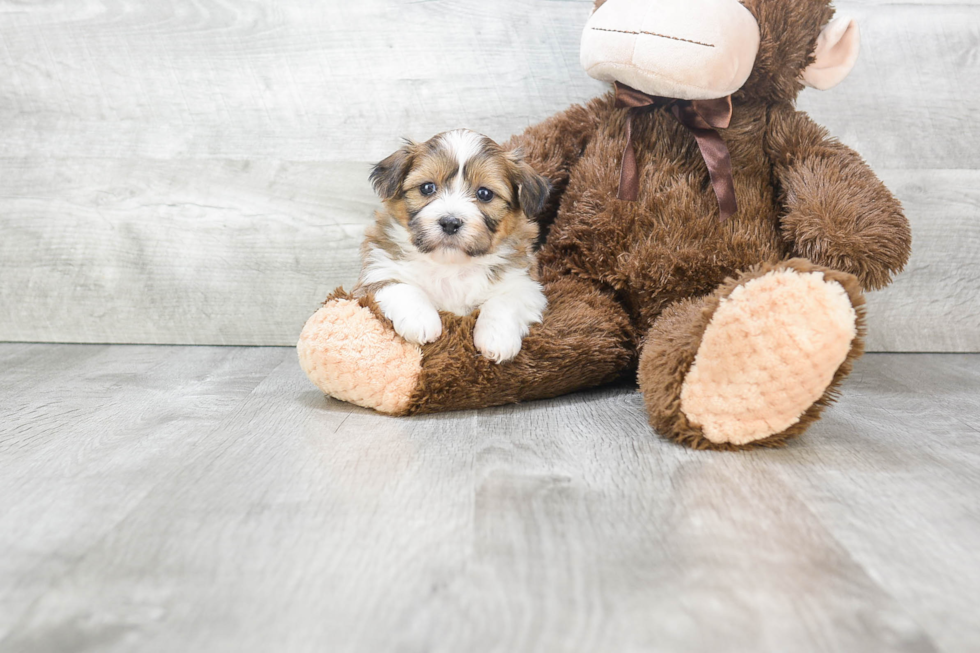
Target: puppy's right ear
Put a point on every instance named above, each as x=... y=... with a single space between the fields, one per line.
x=387 y=177
x=533 y=190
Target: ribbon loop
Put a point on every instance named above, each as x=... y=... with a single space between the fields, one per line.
x=701 y=118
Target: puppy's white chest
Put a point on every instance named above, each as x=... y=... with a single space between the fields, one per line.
x=459 y=289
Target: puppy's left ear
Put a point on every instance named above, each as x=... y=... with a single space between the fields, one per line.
x=533 y=190
x=387 y=177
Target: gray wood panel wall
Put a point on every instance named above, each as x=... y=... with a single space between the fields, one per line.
x=194 y=171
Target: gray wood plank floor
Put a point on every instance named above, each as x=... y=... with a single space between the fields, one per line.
x=209 y=499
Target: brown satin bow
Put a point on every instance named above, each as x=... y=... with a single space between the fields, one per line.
x=702 y=118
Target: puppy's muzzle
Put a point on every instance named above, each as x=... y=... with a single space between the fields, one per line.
x=450 y=224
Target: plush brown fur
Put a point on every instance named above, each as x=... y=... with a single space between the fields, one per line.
x=586 y=340
x=788 y=31
x=653 y=271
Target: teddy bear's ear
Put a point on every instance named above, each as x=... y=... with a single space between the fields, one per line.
x=387 y=176
x=837 y=51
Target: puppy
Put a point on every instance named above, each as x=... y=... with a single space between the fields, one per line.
x=456 y=235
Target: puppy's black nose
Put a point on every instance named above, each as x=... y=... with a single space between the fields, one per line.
x=450 y=224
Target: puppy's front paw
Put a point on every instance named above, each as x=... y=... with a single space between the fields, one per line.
x=420 y=326
x=498 y=340
x=411 y=313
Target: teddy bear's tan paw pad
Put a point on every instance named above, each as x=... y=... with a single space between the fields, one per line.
x=769 y=353
x=352 y=356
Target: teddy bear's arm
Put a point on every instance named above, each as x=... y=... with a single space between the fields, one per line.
x=837 y=212
x=553 y=146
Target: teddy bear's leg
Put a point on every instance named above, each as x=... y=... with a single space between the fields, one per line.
x=350 y=351
x=756 y=362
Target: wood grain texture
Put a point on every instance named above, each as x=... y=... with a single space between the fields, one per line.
x=210 y=499
x=934 y=305
x=869 y=488
x=194 y=171
x=71 y=414
x=190 y=251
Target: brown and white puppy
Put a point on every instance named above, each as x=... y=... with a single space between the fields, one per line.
x=456 y=235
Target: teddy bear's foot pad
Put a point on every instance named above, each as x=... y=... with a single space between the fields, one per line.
x=769 y=353
x=353 y=356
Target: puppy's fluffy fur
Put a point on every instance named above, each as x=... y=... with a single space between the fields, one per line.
x=456 y=235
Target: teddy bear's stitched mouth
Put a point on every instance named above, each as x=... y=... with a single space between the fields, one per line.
x=662 y=36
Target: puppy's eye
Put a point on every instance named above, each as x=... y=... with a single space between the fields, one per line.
x=427 y=188
x=484 y=194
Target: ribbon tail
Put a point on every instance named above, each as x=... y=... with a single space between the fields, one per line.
x=629 y=178
x=719 y=161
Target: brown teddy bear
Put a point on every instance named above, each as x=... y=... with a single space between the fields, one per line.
x=700 y=233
